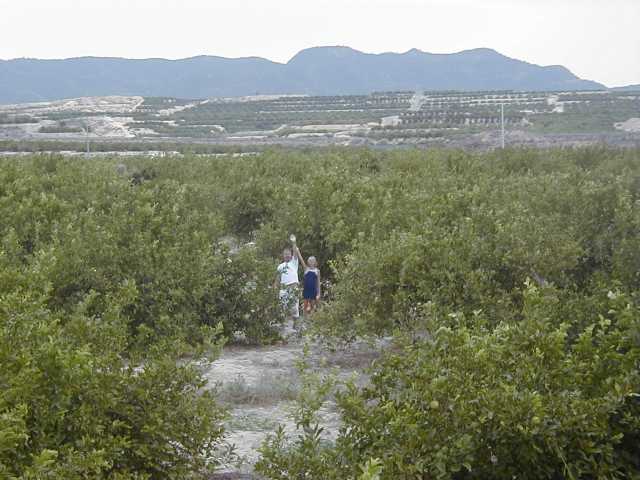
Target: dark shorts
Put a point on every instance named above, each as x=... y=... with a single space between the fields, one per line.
x=310 y=290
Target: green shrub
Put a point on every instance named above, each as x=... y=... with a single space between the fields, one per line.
x=99 y=229
x=75 y=404
x=114 y=267
x=240 y=294
x=521 y=400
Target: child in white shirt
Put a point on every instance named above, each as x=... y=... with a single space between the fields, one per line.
x=288 y=282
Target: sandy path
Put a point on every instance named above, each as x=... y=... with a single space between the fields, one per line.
x=259 y=386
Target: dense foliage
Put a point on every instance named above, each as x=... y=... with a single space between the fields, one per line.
x=75 y=405
x=517 y=401
x=107 y=278
x=509 y=280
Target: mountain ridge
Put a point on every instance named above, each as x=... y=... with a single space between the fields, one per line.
x=322 y=70
x=627 y=88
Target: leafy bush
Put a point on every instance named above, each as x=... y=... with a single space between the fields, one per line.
x=100 y=229
x=521 y=400
x=105 y=284
x=468 y=237
x=76 y=404
x=111 y=274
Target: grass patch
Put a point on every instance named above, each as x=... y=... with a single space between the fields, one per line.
x=269 y=389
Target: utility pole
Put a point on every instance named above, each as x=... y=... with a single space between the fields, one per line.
x=502 y=122
x=87 y=129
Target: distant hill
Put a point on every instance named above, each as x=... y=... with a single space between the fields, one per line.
x=315 y=71
x=628 y=88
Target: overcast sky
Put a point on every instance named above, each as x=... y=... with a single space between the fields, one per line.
x=596 y=39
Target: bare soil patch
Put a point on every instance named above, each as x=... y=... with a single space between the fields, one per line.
x=259 y=386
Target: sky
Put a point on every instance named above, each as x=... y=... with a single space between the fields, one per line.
x=596 y=39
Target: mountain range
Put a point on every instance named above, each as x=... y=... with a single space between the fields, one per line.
x=628 y=88
x=314 y=71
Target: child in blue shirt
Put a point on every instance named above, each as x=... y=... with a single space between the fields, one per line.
x=310 y=282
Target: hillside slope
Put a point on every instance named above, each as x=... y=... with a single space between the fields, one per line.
x=315 y=71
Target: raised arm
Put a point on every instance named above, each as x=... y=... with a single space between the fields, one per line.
x=300 y=257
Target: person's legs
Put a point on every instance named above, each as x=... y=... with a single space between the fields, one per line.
x=295 y=309
x=294 y=302
x=285 y=304
x=290 y=305
x=284 y=299
x=307 y=306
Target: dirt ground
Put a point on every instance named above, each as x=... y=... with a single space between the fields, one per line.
x=259 y=386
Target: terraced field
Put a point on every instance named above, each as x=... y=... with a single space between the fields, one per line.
x=381 y=118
